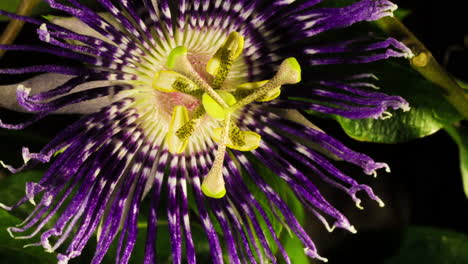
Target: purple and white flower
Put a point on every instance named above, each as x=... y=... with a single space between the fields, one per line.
x=188 y=96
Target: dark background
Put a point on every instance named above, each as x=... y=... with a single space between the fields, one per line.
x=425 y=186
x=434 y=180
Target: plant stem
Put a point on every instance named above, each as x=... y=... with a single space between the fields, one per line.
x=426 y=65
x=14 y=27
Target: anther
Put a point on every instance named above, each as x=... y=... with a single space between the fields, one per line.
x=238 y=139
x=220 y=64
x=185 y=131
x=250 y=87
x=289 y=72
x=171 y=81
x=179 y=118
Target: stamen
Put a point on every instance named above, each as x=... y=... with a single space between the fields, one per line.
x=221 y=62
x=248 y=88
x=178 y=61
x=236 y=135
x=289 y=72
x=188 y=128
x=171 y=81
x=238 y=139
x=213 y=184
x=179 y=118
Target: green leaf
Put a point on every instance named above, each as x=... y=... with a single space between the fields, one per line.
x=295 y=250
x=13 y=251
x=460 y=136
x=274 y=181
x=431 y=246
x=292 y=244
x=12 y=140
x=429 y=111
x=12 y=188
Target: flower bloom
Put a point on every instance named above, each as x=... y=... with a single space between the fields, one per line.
x=198 y=92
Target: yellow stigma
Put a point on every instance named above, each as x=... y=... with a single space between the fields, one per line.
x=293 y=68
x=213 y=185
x=175 y=56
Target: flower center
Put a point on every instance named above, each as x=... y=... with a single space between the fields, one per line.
x=168 y=101
x=197 y=90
